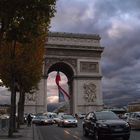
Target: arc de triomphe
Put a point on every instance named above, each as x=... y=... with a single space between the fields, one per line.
x=78 y=57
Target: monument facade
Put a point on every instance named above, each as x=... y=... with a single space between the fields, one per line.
x=78 y=56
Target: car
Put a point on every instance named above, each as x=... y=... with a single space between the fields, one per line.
x=134 y=120
x=42 y=120
x=103 y=124
x=67 y=120
x=125 y=116
x=56 y=119
x=81 y=115
x=4 y=116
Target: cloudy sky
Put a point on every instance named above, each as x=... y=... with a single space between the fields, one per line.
x=118 y=24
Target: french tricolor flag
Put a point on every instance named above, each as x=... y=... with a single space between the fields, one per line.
x=61 y=91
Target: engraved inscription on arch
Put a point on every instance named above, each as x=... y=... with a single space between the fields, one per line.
x=89 y=67
x=30 y=98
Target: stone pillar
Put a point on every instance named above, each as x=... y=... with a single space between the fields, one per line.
x=41 y=98
x=74 y=97
x=87 y=91
x=45 y=95
x=87 y=95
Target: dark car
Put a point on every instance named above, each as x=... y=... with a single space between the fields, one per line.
x=105 y=124
x=42 y=120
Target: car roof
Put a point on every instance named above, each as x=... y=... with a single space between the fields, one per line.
x=136 y=112
x=103 y=111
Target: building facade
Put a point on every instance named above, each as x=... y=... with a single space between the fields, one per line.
x=78 y=56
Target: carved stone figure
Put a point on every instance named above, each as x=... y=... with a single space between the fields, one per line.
x=89 y=92
x=30 y=98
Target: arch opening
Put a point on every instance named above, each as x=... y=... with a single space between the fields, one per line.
x=63 y=67
x=66 y=74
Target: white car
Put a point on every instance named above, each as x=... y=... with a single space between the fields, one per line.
x=57 y=119
x=126 y=115
x=81 y=115
x=134 y=120
x=68 y=120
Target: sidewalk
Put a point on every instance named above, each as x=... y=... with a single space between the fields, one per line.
x=24 y=133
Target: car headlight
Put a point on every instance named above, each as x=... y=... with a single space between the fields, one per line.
x=76 y=121
x=103 y=125
x=126 y=125
x=65 y=121
x=46 y=121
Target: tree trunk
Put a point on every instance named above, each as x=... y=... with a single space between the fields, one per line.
x=12 y=110
x=15 y=117
x=21 y=108
x=12 y=121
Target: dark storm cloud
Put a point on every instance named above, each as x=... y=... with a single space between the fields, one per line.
x=91 y=15
x=118 y=24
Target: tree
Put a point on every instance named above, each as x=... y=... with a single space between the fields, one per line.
x=28 y=67
x=30 y=71
x=21 y=21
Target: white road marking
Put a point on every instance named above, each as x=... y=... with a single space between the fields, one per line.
x=67 y=132
x=76 y=137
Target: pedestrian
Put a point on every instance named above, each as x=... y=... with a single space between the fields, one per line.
x=29 y=119
x=76 y=115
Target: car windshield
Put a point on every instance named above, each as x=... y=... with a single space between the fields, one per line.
x=106 y=116
x=138 y=115
x=83 y=114
x=43 y=117
x=68 y=117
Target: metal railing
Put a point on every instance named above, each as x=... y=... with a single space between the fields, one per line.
x=4 y=124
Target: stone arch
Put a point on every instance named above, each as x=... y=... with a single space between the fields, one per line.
x=79 y=58
x=64 y=67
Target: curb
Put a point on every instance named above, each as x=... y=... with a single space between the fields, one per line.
x=36 y=133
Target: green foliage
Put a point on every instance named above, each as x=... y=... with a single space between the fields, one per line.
x=27 y=63
x=23 y=25
x=22 y=20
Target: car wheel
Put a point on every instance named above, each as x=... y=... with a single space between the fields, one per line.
x=126 y=137
x=58 y=125
x=62 y=124
x=97 y=136
x=76 y=125
x=85 y=132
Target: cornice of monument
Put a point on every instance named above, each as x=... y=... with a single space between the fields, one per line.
x=72 y=47
x=73 y=41
x=74 y=35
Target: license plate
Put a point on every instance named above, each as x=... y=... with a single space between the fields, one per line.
x=118 y=129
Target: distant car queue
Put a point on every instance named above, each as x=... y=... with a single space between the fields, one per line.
x=61 y=119
x=98 y=123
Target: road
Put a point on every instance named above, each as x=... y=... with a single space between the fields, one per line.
x=53 y=132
